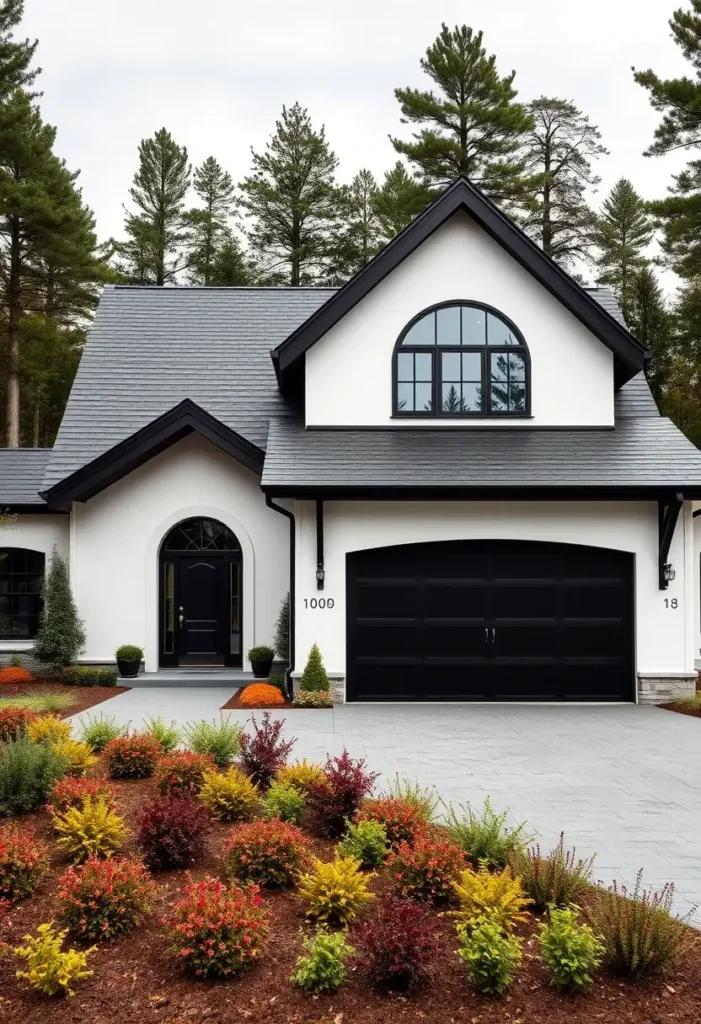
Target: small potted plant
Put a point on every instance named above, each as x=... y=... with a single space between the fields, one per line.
x=261 y=659
x=129 y=660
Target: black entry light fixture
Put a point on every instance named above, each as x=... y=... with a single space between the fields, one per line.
x=320 y=576
x=669 y=573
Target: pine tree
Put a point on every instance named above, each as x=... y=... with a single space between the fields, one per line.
x=560 y=147
x=473 y=125
x=209 y=224
x=359 y=237
x=293 y=201
x=61 y=636
x=15 y=56
x=282 y=630
x=230 y=266
x=398 y=201
x=650 y=321
x=314 y=678
x=623 y=233
x=152 y=253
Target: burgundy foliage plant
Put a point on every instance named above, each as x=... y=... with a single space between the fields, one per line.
x=397 y=947
x=334 y=801
x=264 y=752
x=173 y=832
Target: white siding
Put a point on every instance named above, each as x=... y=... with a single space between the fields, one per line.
x=665 y=636
x=349 y=370
x=116 y=538
x=40 y=533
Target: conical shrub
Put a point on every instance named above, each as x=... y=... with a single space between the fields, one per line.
x=314 y=678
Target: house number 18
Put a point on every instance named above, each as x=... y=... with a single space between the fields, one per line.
x=318 y=602
x=671 y=602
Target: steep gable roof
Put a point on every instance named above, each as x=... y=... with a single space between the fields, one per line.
x=21 y=472
x=461 y=195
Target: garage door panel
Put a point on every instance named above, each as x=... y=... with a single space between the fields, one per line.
x=528 y=640
x=387 y=638
x=376 y=596
x=454 y=639
x=455 y=598
x=539 y=597
x=606 y=596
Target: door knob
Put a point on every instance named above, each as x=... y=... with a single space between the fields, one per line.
x=180 y=619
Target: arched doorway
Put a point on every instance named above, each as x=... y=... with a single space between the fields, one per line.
x=200 y=570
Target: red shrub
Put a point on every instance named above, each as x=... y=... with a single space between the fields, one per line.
x=14 y=721
x=427 y=869
x=72 y=793
x=334 y=801
x=173 y=832
x=269 y=852
x=182 y=772
x=15 y=675
x=132 y=757
x=103 y=899
x=403 y=821
x=23 y=862
x=264 y=752
x=398 y=946
x=217 y=931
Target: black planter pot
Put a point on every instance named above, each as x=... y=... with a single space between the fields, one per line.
x=261 y=669
x=128 y=669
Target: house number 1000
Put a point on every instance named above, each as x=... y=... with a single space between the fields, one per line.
x=318 y=602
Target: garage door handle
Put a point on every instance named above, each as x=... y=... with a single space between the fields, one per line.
x=486 y=635
x=494 y=633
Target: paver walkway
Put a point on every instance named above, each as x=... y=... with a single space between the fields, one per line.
x=623 y=781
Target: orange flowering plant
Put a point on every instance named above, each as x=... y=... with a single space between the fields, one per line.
x=403 y=821
x=132 y=757
x=427 y=869
x=269 y=852
x=183 y=772
x=11 y=674
x=103 y=899
x=23 y=862
x=262 y=694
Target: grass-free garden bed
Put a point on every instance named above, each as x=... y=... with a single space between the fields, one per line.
x=234 y=703
x=84 y=697
x=137 y=979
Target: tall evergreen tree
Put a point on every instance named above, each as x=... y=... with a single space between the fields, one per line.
x=398 y=201
x=560 y=147
x=152 y=253
x=15 y=55
x=292 y=199
x=61 y=634
x=624 y=231
x=359 y=237
x=472 y=125
x=230 y=265
x=208 y=224
x=650 y=321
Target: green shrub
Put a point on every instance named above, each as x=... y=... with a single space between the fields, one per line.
x=322 y=966
x=281 y=642
x=27 y=774
x=571 y=951
x=61 y=635
x=367 y=842
x=222 y=740
x=98 y=732
x=50 y=969
x=424 y=799
x=91 y=829
x=313 y=699
x=260 y=653
x=558 y=879
x=486 y=836
x=640 y=934
x=314 y=678
x=335 y=893
x=284 y=802
x=277 y=679
x=89 y=675
x=166 y=736
x=492 y=957
x=15 y=662
x=129 y=652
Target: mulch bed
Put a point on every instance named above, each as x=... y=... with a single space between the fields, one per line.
x=136 y=982
x=85 y=696
x=234 y=703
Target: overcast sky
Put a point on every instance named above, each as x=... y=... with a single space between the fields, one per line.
x=216 y=73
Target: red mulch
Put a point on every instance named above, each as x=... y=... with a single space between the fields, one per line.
x=85 y=696
x=136 y=982
x=235 y=703
x=680 y=711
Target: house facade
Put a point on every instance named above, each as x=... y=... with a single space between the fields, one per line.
x=453 y=463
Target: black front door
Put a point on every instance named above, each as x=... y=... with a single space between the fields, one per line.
x=202 y=609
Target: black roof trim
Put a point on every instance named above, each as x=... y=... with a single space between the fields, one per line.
x=546 y=492
x=35 y=508
x=185 y=418
x=630 y=355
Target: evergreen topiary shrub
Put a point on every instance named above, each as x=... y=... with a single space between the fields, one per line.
x=89 y=675
x=314 y=678
x=61 y=635
x=281 y=642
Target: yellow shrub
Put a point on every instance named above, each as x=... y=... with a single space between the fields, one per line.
x=49 y=729
x=335 y=892
x=300 y=774
x=482 y=894
x=230 y=796
x=49 y=968
x=92 y=829
x=78 y=757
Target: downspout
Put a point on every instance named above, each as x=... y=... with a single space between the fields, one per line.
x=290 y=515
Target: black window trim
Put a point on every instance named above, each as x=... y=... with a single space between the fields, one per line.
x=36 y=612
x=437 y=412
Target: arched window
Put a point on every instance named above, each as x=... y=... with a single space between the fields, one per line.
x=461 y=359
x=21 y=574
x=201 y=535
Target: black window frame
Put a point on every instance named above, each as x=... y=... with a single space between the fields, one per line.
x=435 y=350
x=33 y=596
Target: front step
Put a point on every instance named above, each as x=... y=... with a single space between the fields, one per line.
x=229 y=678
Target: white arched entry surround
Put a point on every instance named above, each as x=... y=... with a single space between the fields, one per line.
x=248 y=575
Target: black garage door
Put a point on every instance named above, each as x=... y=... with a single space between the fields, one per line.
x=490 y=620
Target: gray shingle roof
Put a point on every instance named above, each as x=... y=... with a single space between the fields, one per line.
x=641 y=452
x=149 y=348
x=606 y=298
x=635 y=399
x=21 y=473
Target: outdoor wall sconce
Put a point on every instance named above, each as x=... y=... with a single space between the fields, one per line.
x=669 y=573
x=320 y=577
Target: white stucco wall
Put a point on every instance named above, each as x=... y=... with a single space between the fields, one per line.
x=666 y=636
x=40 y=533
x=696 y=584
x=116 y=536
x=349 y=370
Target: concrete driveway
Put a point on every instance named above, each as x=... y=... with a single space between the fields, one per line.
x=623 y=782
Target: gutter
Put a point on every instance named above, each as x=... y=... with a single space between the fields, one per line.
x=289 y=515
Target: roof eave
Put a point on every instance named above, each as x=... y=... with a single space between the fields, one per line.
x=484 y=492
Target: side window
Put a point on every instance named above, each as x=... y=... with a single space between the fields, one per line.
x=21 y=574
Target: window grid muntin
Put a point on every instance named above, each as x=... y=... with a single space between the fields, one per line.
x=516 y=347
